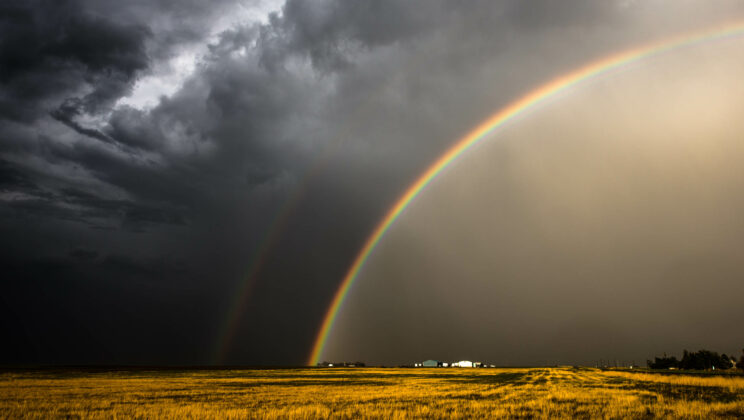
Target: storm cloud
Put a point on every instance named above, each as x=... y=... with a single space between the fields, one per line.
x=151 y=151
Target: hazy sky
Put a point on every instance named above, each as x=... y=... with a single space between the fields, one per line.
x=152 y=152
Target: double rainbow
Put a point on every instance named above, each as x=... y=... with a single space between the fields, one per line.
x=503 y=116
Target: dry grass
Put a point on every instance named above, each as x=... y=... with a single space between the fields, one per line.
x=359 y=393
x=731 y=383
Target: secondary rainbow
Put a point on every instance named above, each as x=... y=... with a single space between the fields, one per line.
x=503 y=116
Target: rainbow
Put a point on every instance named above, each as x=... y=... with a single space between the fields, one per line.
x=497 y=120
x=271 y=238
x=240 y=298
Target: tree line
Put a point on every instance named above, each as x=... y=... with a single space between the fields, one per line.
x=697 y=360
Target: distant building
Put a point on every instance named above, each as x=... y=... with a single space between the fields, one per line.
x=462 y=363
x=340 y=364
x=355 y=364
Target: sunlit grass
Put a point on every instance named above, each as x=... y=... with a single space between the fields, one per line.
x=355 y=393
x=731 y=383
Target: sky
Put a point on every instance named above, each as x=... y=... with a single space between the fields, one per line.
x=187 y=182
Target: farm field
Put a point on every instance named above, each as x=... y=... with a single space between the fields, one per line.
x=367 y=392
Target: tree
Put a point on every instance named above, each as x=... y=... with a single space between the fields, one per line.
x=697 y=360
x=663 y=362
x=725 y=362
x=703 y=360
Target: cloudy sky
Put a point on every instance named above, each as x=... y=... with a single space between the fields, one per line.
x=187 y=182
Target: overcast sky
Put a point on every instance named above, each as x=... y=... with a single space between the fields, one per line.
x=165 y=162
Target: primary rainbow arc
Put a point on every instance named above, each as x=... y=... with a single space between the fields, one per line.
x=503 y=116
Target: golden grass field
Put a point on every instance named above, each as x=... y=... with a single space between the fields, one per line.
x=368 y=392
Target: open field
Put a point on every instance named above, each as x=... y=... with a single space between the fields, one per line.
x=367 y=392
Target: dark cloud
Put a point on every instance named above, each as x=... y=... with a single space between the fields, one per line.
x=11 y=178
x=83 y=254
x=102 y=304
x=52 y=50
x=546 y=13
x=66 y=114
x=329 y=33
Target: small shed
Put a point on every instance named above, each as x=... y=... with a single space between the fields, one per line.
x=431 y=363
x=463 y=363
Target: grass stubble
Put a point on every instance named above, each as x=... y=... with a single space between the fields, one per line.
x=368 y=393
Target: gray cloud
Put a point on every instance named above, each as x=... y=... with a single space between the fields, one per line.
x=52 y=49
